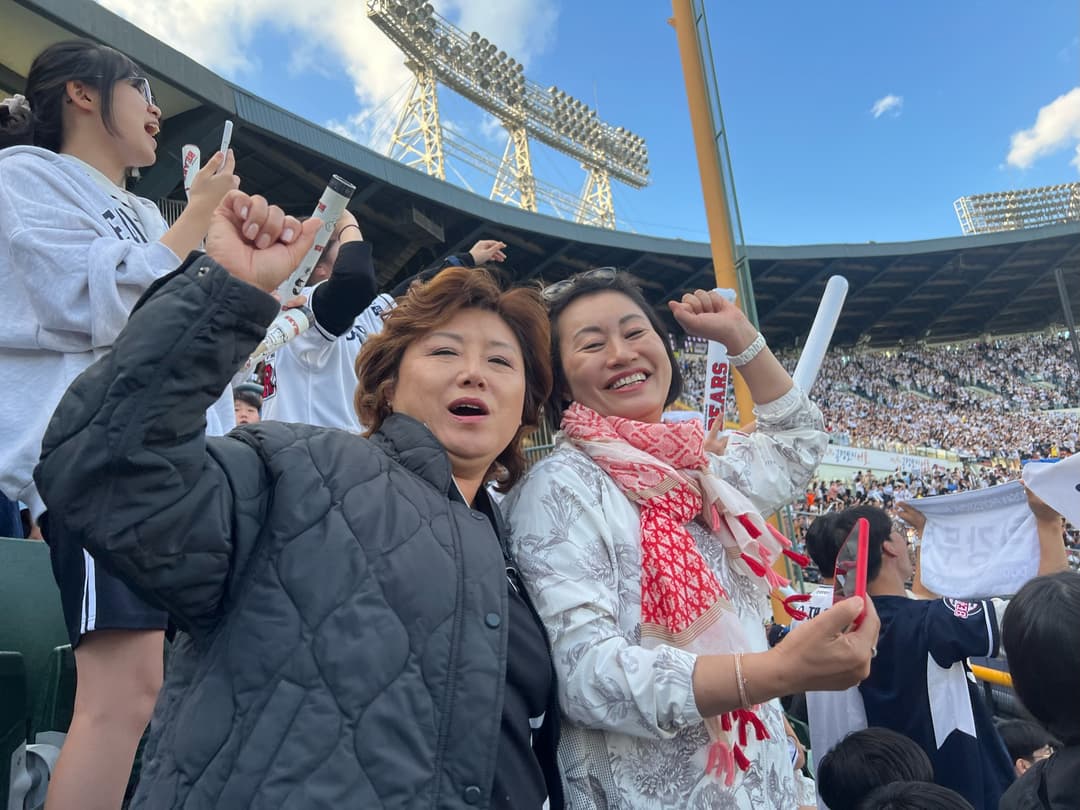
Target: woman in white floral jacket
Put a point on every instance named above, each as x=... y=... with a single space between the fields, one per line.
x=650 y=564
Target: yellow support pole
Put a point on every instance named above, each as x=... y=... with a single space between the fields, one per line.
x=992 y=675
x=712 y=182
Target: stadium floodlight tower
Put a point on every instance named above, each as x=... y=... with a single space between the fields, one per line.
x=1019 y=208
x=438 y=52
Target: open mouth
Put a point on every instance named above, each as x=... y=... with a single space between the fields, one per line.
x=627 y=380
x=152 y=129
x=468 y=407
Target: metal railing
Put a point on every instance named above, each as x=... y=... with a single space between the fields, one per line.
x=539 y=444
x=171 y=209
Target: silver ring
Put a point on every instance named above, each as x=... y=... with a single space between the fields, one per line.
x=873 y=652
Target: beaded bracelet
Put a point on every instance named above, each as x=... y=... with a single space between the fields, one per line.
x=749 y=353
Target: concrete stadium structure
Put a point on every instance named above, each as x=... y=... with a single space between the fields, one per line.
x=937 y=289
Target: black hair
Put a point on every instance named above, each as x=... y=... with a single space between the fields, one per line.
x=584 y=284
x=250 y=394
x=867 y=759
x=98 y=66
x=1041 y=635
x=913 y=796
x=821 y=543
x=776 y=633
x=1023 y=738
x=880 y=531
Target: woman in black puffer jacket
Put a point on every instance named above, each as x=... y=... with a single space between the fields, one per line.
x=355 y=636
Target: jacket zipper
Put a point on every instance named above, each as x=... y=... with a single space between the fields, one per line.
x=455 y=641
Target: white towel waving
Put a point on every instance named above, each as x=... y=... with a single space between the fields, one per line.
x=980 y=543
x=1058 y=484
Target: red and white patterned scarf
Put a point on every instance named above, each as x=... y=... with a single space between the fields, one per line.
x=663 y=468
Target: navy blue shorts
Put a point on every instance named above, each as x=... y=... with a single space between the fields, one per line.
x=94 y=599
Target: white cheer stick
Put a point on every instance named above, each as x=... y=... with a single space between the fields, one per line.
x=817 y=342
x=291 y=323
x=331 y=206
x=226 y=138
x=191 y=160
x=717 y=375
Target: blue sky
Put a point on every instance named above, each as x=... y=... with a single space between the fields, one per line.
x=798 y=81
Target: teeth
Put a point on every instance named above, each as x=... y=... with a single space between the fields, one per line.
x=629 y=380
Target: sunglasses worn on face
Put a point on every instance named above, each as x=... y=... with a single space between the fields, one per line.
x=553 y=292
x=142 y=84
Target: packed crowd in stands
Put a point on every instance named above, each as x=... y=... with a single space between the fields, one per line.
x=867 y=488
x=996 y=400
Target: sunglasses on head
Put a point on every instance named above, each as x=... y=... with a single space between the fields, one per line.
x=553 y=292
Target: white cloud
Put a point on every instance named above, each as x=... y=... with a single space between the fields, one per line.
x=215 y=34
x=330 y=36
x=522 y=28
x=1066 y=54
x=363 y=128
x=1057 y=126
x=493 y=130
x=887 y=104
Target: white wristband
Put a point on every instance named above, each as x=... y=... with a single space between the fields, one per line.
x=749 y=353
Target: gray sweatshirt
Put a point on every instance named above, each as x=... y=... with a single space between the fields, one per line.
x=74 y=259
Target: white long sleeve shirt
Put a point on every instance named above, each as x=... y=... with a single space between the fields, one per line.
x=312 y=379
x=74 y=259
x=632 y=735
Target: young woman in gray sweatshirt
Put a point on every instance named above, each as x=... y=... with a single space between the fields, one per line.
x=77 y=250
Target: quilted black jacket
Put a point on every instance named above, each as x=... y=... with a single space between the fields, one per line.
x=1049 y=784
x=338 y=602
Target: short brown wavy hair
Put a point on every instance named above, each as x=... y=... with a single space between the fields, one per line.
x=428 y=305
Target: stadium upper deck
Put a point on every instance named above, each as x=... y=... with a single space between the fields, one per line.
x=938 y=289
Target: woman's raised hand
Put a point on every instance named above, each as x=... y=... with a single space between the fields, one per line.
x=707 y=314
x=255 y=241
x=211 y=184
x=213 y=181
x=909 y=514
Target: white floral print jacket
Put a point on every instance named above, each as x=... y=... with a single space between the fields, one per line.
x=632 y=736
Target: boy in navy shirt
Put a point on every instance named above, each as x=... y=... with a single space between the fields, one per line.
x=920 y=684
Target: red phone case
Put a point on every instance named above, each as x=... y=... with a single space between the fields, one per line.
x=861 y=564
x=862 y=554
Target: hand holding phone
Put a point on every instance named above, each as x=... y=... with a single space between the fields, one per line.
x=828 y=653
x=851 y=566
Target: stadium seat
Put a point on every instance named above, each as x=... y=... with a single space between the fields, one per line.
x=53 y=711
x=14 y=714
x=33 y=625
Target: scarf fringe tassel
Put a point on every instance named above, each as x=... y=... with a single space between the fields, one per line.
x=726 y=759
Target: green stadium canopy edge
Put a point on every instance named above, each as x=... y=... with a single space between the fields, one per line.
x=936 y=290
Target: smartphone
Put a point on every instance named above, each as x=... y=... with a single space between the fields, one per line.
x=851 y=564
